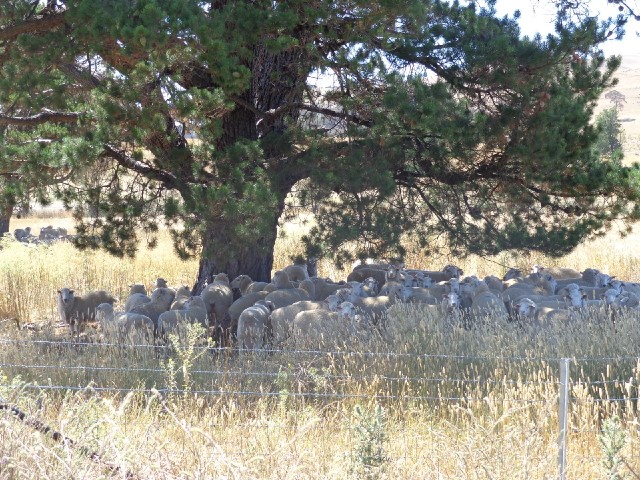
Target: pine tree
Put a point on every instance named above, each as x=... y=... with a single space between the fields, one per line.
x=414 y=116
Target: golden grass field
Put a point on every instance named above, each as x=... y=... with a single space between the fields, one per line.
x=483 y=404
x=629 y=85
x=456 y=403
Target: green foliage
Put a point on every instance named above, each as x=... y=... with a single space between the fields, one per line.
x=433 y=118
x=368 y=456
x=612 y=440
x=183 y=346
x=610 y=138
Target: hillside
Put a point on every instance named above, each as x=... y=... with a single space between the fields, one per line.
x=629 y=86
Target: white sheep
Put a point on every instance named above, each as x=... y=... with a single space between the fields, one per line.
x=323 y=329
x=242 y=283
x=124 y=327
x=134 y=300
x=559 y=273
x=160 y=302
x=381 y=275
x=447 y=273
x=281 y=319
x=296 y=272
x=512 y=274
x=233 y=314
x=137 y=288
x=252 y=325
x=324 y=287
x=217 y=297
x=287 y=296
x=370 y=287
x=494 y=283
x=75 y=310
x=183 y=294
x=527 y=311
x=194 y=312
x=487 y=304
x=590 y=277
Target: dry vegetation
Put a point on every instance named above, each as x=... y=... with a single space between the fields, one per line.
x=629 y=86
x=456 y=403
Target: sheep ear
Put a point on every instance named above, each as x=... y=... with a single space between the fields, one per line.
x=71 y=291
x=59 y=291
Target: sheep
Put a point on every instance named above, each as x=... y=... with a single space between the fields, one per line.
x=134 y=300
x=50 y=233
x=422 y=280
x=324 y=287
x=627 y=300
x=218 y=297
x=241 y=283
x=281 y=319
x=259 y=287
x=487 y=304
x=625 y=287
x=296 y=272
x=22 y=234
x=590 y=277
x=137 y=288
x=183 y=294
x=370 y=287
x=528 y=311
x=494 y=283
x=441 y=289
x=419 y=295
x=125 y=327
x=545 y=285
x=371 y=263
x=160 y=302
x=252 y=325
x=243 y=303
x=446 y=274
x=589 y=293
x=287 y=296
x=194 y=311
x=281 y=280
x=512 y=274
x=75 y=311
x=363 y=272
x=374 y=308
x=321 y=328
x=559 y=273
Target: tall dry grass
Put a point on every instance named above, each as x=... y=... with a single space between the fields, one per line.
x=460 y=403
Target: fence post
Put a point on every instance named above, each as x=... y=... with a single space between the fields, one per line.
x=563 y=416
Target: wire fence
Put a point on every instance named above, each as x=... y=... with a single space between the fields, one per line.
x=602 y=386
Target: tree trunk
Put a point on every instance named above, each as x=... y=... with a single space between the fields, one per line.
x=6 y=211
x=254 y=258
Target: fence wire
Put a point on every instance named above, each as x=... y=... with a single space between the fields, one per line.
x=267 y=351
x=233 y=368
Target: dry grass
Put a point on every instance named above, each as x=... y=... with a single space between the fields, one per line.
x=481 y=404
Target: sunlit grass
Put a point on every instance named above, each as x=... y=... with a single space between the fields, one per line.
x=478 y=403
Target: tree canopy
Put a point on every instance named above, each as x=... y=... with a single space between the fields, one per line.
x=418 y=117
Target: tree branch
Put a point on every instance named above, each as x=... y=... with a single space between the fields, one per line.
x=40 y=118
x=33 y=25
x=84 y=78
x=167 y=179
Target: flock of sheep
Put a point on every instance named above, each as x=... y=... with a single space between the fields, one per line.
x=47 y=234
x=296 y=310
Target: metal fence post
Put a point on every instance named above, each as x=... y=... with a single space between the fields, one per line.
x=563 y=417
